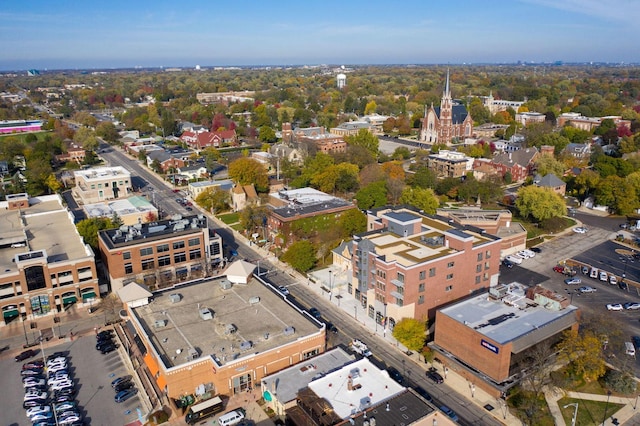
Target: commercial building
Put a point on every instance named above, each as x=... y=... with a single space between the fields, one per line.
x=160 y=253
x=218 y=336
x=132 y=210
x=450 y=164
x=488 y=337
x=47 y=268
x=409 y=264
x=100 y=184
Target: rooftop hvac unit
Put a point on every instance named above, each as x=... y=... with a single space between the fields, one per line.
x=206 y=314
x=254 y=300
x=160 y=323
x=230 y=329
x=288 y=331
x=175 y=298
x=245 y=346
x=193 y=354
x=225 y=284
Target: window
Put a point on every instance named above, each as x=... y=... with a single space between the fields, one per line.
x=486 y=265
x=195 y=254
x=99 y=185
x=400 y=277
x=148 y=264
x=194 y=242
x=178 y=245
x=421 y=299
x=478 y=268
x=448 y=288
x=479 y=257
x=485 y=276
x=487 y=254
x=164 y=260
x=451 y=264
x=380 y=286
x=478 y=279
x=382 y=274
x=126 y=255
x=128 y=268
x=215 y=249
x=399 y=302
x=432 y=272
x=162 y=248
x=450 y=276
x=35 y=277
x=147 y=251
x=421 y=287
x=179 y=257
x=423 y=275
x=310 y=354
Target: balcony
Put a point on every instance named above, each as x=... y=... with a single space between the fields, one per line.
x=397 y=295
x=397 y=283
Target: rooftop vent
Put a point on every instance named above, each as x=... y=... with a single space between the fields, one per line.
x=254 y=300
x=288 y=331
x=160 y=323
x=245 y=346
x=230 y=329
x=206 y=314
x=175 y=297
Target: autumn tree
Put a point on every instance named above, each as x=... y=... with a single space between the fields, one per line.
x=584 y=352
x=85 y=137
x=214 y=199
x=247 y=171
x=540 y=203
x=301 y=255
x=370 y=108
x=422 y=198
x=411 y=333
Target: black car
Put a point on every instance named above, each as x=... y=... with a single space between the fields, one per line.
x=395 y=375
x=507 y=264
x=314 y=313
x=435 y=377
x=108 y=348
x=25 y=355
x=101 y=344
x=636 y=341
x=104 y=333
x=536 y=249
x=123 y=386
x=332 y=328
x=423 y=393
x=104 y=338
x=57 y=355
x=118 y=380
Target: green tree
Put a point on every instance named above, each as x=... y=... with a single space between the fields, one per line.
x=422 y=198
x=301 y=255
x=540 y=203
x=372 y=196
x=214 y=200
x=423 y=178
x=88 y=230
x=267 y=134
x=107 y=131
x=253 y=218
x=85 y=136
x=352 y=222
x=618 y=194
x=546 y=164
x=401 y=153
x=247 y=171
x=370 y=108
x=411 y=333
x=365 y=139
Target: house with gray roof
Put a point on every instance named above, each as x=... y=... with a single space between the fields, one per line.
x=550 y=181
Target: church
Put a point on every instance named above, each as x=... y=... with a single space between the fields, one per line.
x=448 y=123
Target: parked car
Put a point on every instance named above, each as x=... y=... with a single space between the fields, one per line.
x=395 y=375
x=37 y=410
x=536 y=249
x=34 y=382
x=33 y=365
x=449 y=412
x=31 y=372
x=65 y=406
x=636 y=341
x=507 y=264
x=123 y=386
x=613 y=280
x=587 y=289
x=104 y=334
x=33 y=403
x=632 y=306
x=122 y=396
x=284 y=290
x=580 y=230
x=585 y=270
x=572 y=281
x=423 y=393
x=523 y=254
x=514 y=259
x=614 y=307
x=559 y=269
x=593 y=273
x=35 y=396
x=603 y=276
x=315 y=313
x=65 y=384
x=117 y=380
x=108 y=348
x=25 y=355
x=435 y=377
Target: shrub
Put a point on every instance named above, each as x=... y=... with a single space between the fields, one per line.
x=619 y=382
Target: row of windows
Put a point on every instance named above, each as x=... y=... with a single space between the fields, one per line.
x=162 y=248
x=148 y=264
x=106 y=185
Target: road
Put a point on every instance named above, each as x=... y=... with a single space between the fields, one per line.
x=162 y=195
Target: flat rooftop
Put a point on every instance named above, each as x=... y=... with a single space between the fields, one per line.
x=45 y=225
x=505 y=322
x=121 y=207
x=258 y=314
x=355 y=387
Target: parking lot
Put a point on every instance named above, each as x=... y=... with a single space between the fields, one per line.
x=92 y=374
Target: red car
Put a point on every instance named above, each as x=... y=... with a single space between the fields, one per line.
x=558 y=269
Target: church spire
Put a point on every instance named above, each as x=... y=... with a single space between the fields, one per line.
x=446 y=87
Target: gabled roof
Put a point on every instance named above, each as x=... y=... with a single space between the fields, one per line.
x=239 y=271
x=521 y=157
x=549 y=181
x=132 y=292
x=161 y=156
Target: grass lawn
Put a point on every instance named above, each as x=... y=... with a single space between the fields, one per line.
x=589 y=412
x=237 y=227
x=229 y=218
x=526 y=406
x=21 y=136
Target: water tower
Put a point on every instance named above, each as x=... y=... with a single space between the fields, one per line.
x=341 y=80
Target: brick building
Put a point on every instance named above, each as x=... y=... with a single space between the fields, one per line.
x=408 y=264
x=489 y=337
x=47 y=267
x=518 y=163
x=160 y=253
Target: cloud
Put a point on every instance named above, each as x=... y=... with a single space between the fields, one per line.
x=626 y=11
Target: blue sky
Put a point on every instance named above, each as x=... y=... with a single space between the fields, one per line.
x=47 y=34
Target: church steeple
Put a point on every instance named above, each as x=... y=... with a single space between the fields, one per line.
x=446 y=87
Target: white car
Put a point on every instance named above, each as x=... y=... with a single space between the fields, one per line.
x=56 y=367
x=587 y=289
x=523 y=254
x=61 y=385
x=514 y=259
x=603 y=276
x=580 y=230
x=34 y=395
x=614 y=307
x=38 y=409
x=529 y=253
x=632 y=306
x=58 y=379
x=32 y=381
x=613 y=280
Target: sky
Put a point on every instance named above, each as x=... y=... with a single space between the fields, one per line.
x=86 y=34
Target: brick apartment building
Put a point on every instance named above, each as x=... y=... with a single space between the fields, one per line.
x=47 y=267
x=407 y=264
x=160 y=253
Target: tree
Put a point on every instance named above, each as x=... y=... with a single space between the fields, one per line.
x=584 y=352
x=370 y=108
x=301 y=255
x=214 y=199
x=540 y=203
x=423 y=178
x=411 y=333
x=88 y=230
x=267 y=134
x=372 y=196
x=107 y=131
x=84 y=136
x=352 y=222
x=247 y=171
x=365 y=139
x=422 y=198
x=401 y=153
x=617 y=193
x=546 y=164
x=252 y=218
x=52 y=183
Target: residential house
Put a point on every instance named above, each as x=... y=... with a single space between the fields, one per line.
x=550 y=181
x=196 y=188
x=167 y=161
x=242 y=196
x=73 y=153
x=581 y=151
x=518 y=163
x=201 y=140
x=193 y=172
x=288 y=152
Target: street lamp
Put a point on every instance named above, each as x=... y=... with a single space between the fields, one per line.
x=26 y=338
x=604 y=418
x=575 y=412
x=330 y=284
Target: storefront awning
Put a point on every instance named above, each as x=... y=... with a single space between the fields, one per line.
x=10 y=313
x=69 y=299
x=88 y=295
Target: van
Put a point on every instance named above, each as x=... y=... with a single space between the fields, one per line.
x=514 y=259
x=629 y=349
x=231 y=418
